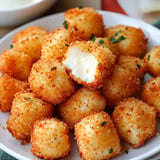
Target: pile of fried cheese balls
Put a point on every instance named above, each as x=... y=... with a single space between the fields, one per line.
x=54 y=82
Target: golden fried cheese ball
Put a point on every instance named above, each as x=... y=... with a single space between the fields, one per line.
x=84 y=22
x=104 y=41
x=97 y=137
x=56 y=43
x=30 y=41
x=9 y=86
x=134 y=64
x=127 y=40
x=50 y=139
x=135 y=121
x=26 y=109
x=152 y=58
x=15 y=63
x=89 y=63
x=49 y=80
x=151 y=93
x=121 y=84
x=81 y=104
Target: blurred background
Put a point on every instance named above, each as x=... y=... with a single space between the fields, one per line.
x=146 y=10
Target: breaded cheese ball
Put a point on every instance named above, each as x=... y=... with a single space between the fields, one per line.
x=121 y=84
x=56 y=43
x=135 y=121
x=97 y=137
x=49 y=80
x=134 y=64
x=50 y=139
x=81 y=104
x=84 y=22
x=152 y=58
x=151 y=93
x=89 y=63
x=128 y=40
x=104 y=41
x=30 y=41
x=15 y=63
x=26 y=109
x=9 y=86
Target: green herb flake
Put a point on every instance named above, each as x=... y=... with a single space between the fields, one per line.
x=11 y=46
x=139 y=66
x=53 y=68
x=65 y=24
x=117 y=32
x=28 y=99
x=101 y=41
x=149 y=57
x=103 y=123
x=67 y=45
x=114 y=40
x=80 y=7
x=111 y=150
x=64 y=92
x=93 y=38
x=126 y=151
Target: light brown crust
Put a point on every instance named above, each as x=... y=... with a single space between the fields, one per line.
x=56 y=43
x=50 y=139
x=135 y=42
x=84 y=22
x=134 y=64
x=119 y=85
x=97 y=137
x=81 y=104
x=105 y=42
x=135 y=121
x=9 y=86
x=49 y=80
x=15 y=63
x=151 y=93
x=152 y=59
x=30 y=41
x=26 y=109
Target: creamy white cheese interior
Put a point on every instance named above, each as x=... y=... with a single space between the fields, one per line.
x=82 y=65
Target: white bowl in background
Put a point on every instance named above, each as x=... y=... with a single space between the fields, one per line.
x=16 y=12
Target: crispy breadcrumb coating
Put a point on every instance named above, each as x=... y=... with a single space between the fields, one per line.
x=97 y=137
x=84 y=22
x=89 y=63
x=50 y=139
x=49 y=80
x=134 y=64
x=152 y=58
x=128 y=40
x=105 y=42
x=26 y=109
x=15 y=63
x=9 y=86
x=30 y=41
x=135 y=121
x=121 y=84
x=151 y=93
x=56 y=43
x=81 y=104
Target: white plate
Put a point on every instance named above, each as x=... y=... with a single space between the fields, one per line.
x=22 y=152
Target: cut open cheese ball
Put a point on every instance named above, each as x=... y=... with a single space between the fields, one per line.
x=89 y=63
